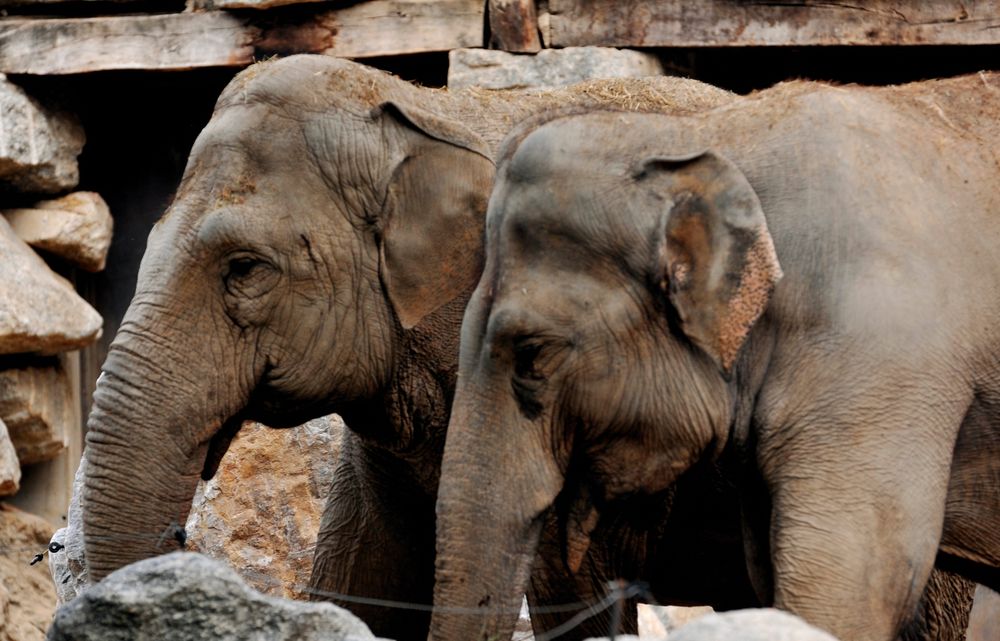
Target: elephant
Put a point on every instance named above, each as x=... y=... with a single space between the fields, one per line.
x=317 y=257
x=795 y=292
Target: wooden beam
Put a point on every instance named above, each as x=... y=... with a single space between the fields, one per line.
x=384 y=27
x=220 y=39
x=726 y=23
x=514 y=26
x=172 y=41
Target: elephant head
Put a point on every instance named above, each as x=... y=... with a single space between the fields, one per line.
x=597 y=352
x=325 y=224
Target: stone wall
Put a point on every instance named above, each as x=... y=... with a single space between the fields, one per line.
x=47 y=232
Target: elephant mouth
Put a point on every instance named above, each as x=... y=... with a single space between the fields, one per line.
x=218 y=445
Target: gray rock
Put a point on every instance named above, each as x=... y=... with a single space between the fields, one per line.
x=10 y=469
x=188 y=597
x=38 y=147
x=68 y=565
x=39 y=310
x=494 y=69
x=76 y=227
x=36 y=403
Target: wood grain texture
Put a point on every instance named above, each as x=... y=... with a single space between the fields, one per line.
x=379 y=28
x=514 y=26
x=172 y=41
x=715 y=23
x=216 y=38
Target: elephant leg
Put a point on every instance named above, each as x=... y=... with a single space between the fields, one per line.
x=943 y=613
x=858 y=496
x=376 y=540
x=552 y=584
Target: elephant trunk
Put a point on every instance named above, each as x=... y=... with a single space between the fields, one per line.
x=498 y=481
x=148 y=437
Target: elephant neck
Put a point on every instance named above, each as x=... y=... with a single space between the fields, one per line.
x=409 y=417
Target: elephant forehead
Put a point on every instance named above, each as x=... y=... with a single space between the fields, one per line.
x=571 y=220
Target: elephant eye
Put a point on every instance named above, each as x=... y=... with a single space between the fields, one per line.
x=528 y=379
x=242 y=266
x=525 y=355
x=249 y=276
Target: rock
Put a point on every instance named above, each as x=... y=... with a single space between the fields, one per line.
x=277 y=478
x=10 y=468
x=30 y=597
x=494 y=69
x=36 y=404
x=185 y=596
x=38 y=147
x=39 y=310
x=984 y=621
x=76 y=227
x=67 y=559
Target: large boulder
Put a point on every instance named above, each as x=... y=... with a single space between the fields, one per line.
x=39 y=310
x=494 y=69
x=275 y=477
x=185 y=596
x=36 y=403
x=27 y=598
x=76 y=227
x=10 y=469
x=38 y=147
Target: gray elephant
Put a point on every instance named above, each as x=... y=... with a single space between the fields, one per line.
x=797 y=290
x=317 y=257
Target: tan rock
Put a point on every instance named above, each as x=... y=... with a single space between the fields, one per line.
x=10 y=469
x=76 y=227
x=262 y=510
x=36 y=404
x=39 y=310
x=31 y=599
x=38 y=146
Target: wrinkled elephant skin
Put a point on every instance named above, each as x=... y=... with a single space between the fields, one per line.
x=798 y=290
x=317 y=257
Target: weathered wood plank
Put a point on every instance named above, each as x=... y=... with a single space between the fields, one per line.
x=715 y=23
x=383 y=27
x=117 y=4
x=514 y=26
x=172 y=41
x=213 y=39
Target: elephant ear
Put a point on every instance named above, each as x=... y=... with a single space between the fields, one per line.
x=715 y=259
x=435 y=207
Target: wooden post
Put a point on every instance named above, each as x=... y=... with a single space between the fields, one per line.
x=514 y=26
